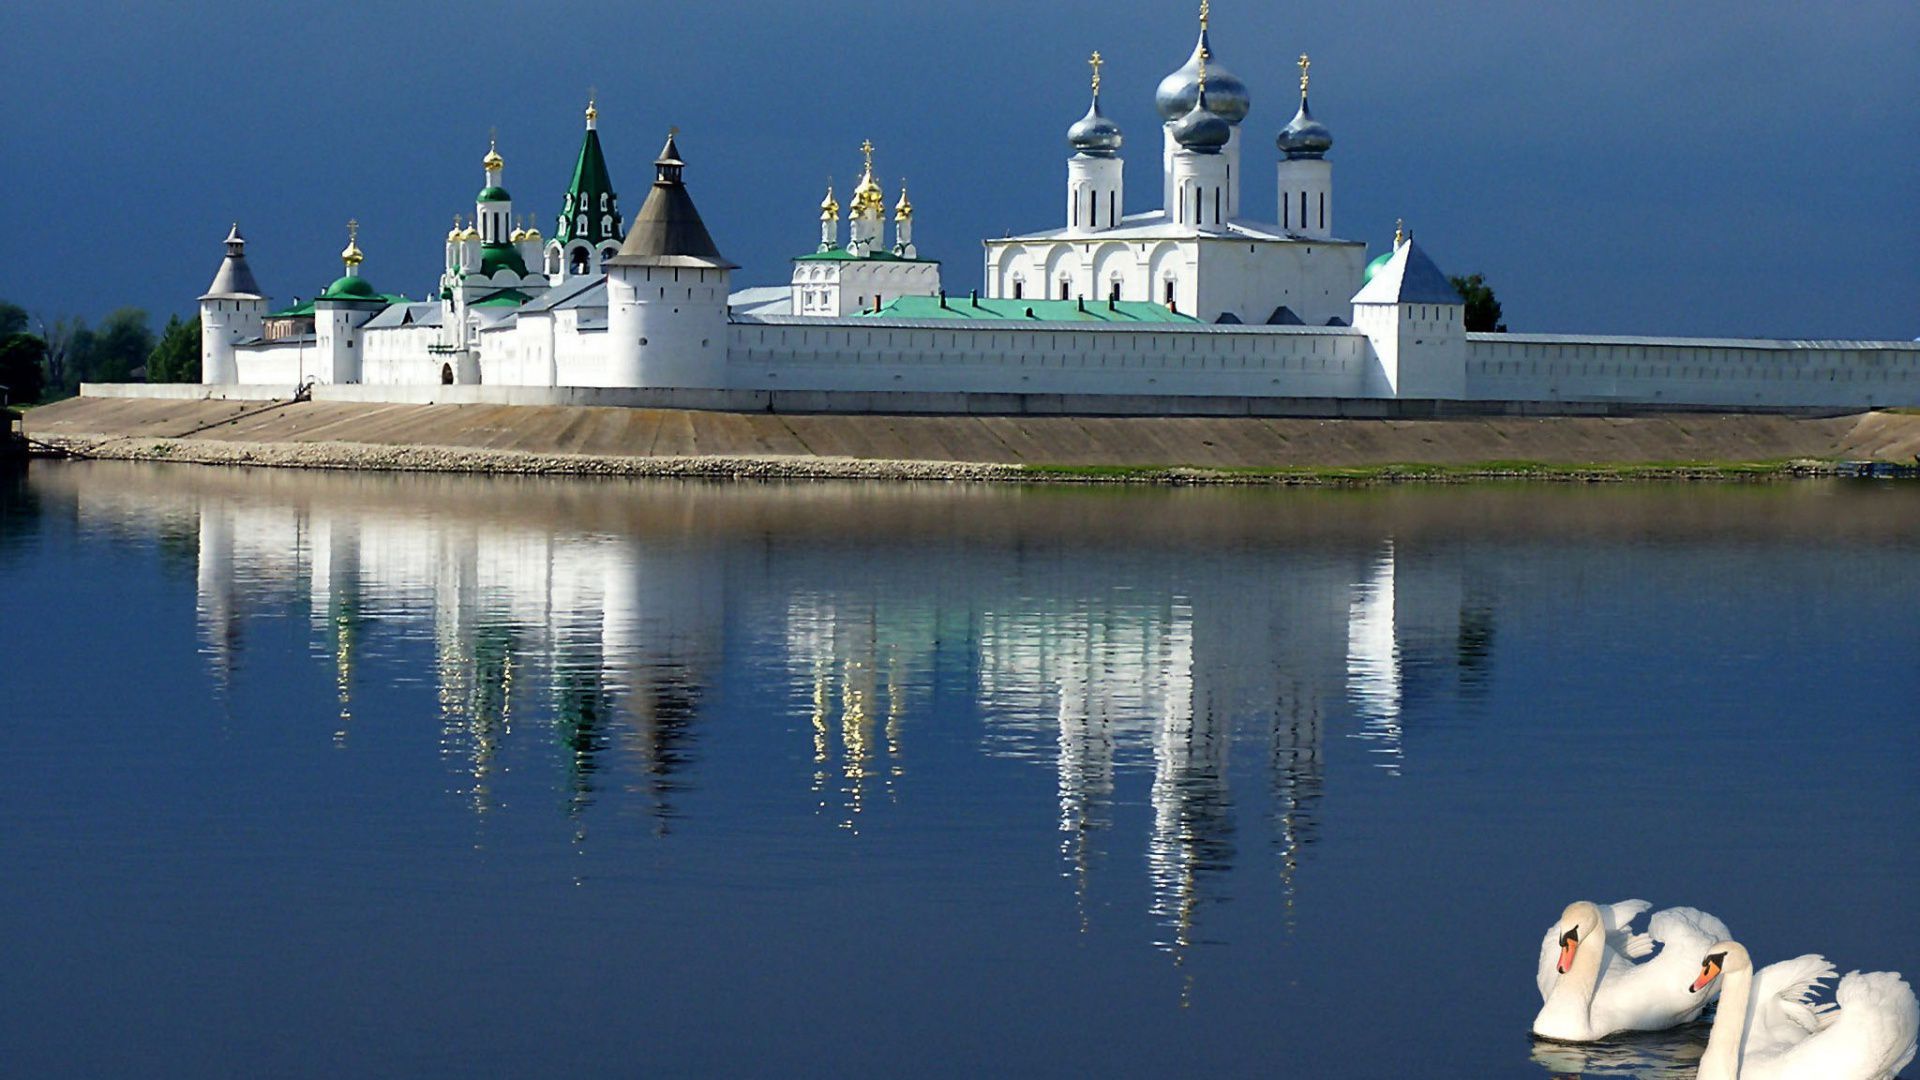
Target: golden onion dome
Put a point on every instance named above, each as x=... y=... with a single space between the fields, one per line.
x=518 y=235
x=470 y=233
x=532 y=235
x=351 y=255
x=903 y=210
x=493 y=162
x=829 y=206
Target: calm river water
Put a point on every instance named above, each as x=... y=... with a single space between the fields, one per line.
x=339 y=775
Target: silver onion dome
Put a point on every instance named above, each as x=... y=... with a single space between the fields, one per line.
x=1202 y=130
x=1305 y=137
x=1226 y=95
x=1094 y=134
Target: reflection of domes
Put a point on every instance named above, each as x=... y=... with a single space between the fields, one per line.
x=1094 y=134
x=1226 y=95
x=1305 y=137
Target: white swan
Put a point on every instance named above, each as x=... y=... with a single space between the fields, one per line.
x=1591 y=984
x=1767 y=1029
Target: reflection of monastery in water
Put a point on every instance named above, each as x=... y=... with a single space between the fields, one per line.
x=1201 y=688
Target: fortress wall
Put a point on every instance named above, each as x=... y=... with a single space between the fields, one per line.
x=970 y=358
x=1522 y=367
x=279 y=364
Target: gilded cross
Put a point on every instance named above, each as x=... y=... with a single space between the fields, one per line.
x=1204 y=53
x=1205 y=7
x=866 y=147
x=1304 y=65
x=353 y=230
x=1095 y=63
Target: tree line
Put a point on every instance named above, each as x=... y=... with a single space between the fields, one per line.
x=41 y=360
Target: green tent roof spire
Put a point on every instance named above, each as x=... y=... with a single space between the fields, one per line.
x=591 y=211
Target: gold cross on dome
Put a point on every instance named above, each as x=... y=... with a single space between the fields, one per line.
x=1305 y=63
x=353 y=230
x=866 y=147
x=1095 y=63
x=1205 y=8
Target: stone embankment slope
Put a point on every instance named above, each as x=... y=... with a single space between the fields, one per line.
x=498 y=438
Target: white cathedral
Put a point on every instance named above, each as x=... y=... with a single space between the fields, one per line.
x=1158 y=309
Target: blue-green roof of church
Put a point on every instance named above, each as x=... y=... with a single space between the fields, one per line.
x=497 y=257
x=298 y=308
x=350 y=287
x=503 y=298
x=1374 y=267
x=1119 y=311
x=843 y=255
x=494 y=193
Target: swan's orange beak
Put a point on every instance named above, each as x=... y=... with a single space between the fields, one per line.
x=1569 y=944
x=1709 y=971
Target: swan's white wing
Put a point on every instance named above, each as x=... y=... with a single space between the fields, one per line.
x=1782 y=1012
x=1615 y=918
x=1619 y=919
x=1872 y=1034
x=1653 y=995
x=1686 y=930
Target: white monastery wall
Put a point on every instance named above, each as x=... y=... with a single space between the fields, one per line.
x=1533 y=367
x=282 y=363
x=889 y=355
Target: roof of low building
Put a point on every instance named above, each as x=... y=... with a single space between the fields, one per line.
x=1105 y=311
x=579 y=292
x=399 y=316
x=843 y=255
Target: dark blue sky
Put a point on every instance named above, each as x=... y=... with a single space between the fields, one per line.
x=1707 y=168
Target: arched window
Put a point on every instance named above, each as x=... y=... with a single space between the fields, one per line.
x=1065 y=286
x=603 y=200
x=577 y=261
x=1113 y=289
x=1169 y=292
x=1019 y=289
x=581 y=225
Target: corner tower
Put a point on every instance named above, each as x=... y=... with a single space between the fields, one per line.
x=231 y=311
x=1416 y=323
x=667 y=291
x=589 y=228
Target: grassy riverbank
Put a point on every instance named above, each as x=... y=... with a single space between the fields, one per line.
x=1181 y=450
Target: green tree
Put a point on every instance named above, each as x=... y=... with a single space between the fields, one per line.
x=23 y=360
x=177 y=358
x=122 y=344
x=13 y=320
x=69 y=344
x=1483 y=311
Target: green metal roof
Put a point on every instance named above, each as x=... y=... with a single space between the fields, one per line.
x=350 y=287
x=503 y=298
x=843 y=255
x=299 y=308
x=1374 y=267
x=1120 y=311
x=590 y=182
x=494 y=193
x=497 y=257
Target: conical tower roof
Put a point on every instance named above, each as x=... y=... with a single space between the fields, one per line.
x=591 y=193
x=668 y=231
x=234 y=280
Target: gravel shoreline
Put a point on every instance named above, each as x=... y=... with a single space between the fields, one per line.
x=453 y=459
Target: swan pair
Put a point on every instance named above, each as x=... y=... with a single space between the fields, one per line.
x=1595 y=981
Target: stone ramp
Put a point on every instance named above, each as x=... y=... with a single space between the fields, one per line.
x=1063 y=441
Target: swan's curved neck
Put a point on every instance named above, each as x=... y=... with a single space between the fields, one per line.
x=1572 y=998
x=1722 y=1058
